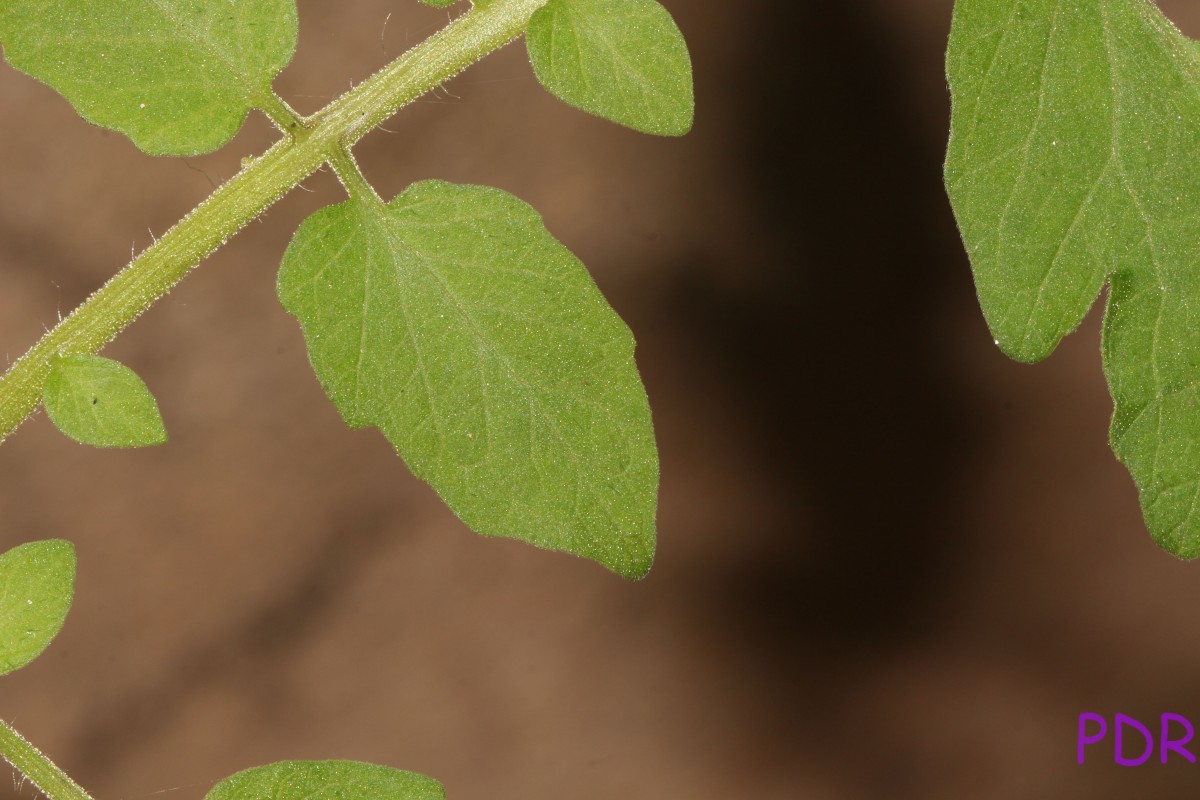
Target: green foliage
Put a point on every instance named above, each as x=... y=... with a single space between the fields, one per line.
x=176 y=76
x=529 y=417
x=326 y=780
x=455 y=323
x=37 y=582
x=624 y=60
x=1072 y=163
x=103 y=403
x=449 y=318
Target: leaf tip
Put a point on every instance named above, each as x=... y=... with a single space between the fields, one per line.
x=636 y=569
x=58 y=547
x=1025 y=344
x=631 y=557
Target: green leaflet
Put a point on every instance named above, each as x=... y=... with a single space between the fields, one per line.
x=102 y=402
x=624 y=60
x=455 y=323
x=1072 y=162
x=176 y=76
x=37 y=582
x=326 y=780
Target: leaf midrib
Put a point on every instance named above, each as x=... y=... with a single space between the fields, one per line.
x=530 y=392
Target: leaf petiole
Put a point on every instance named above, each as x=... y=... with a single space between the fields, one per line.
x=349 y=173
x=34 y=765
x=279 y=112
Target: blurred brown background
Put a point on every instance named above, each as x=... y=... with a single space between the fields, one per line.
x=892 y=563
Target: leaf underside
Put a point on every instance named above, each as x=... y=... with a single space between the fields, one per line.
x=624 y=60
x=101 y=402
x=1073 y=162
x=37 y=582
x=176 y=76
x=326 y=780
x=452 y=320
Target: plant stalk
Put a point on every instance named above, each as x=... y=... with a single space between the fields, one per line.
x=491 y=24
x=37 y=768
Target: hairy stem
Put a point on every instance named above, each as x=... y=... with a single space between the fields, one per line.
x=41 y=771
x=322 y=137
x=351 y=176
x=280 y=113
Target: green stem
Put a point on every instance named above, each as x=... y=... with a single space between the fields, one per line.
x=487 y=27
x=41 y=771
x=351 y=176
x=279 y=112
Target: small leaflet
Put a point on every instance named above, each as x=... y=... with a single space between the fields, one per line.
x=37 y=582
x=102 y=402
x=1072 y=164
x=326 y=780
x=177 y=77
x=623 y=60
x=455 y=323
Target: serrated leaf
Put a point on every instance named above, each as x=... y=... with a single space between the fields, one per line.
x=37 y=582
x=1072 y=162
x=102 y=402
x=624 y=60
x=176 y=76
x=455 y=323
x=326 y=780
